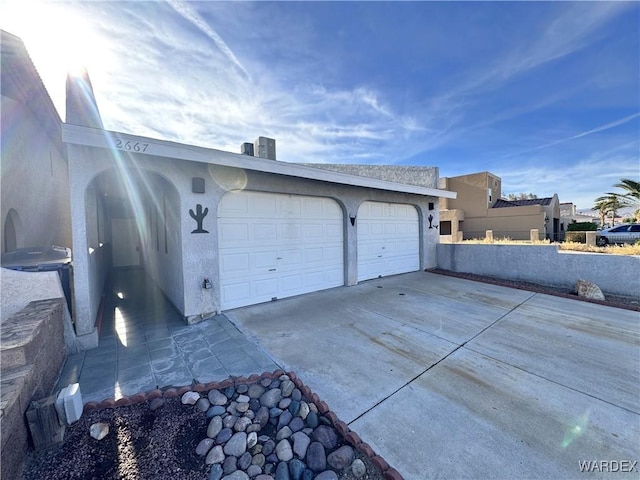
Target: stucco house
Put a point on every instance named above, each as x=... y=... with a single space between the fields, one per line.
x=479 y=207
x=569 y=214
x=215 y=230
x=35 y=178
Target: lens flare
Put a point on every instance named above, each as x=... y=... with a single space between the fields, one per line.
x=575 y=430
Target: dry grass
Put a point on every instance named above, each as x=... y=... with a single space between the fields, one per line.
x=507 y=241
x=611 y=249
x=570 y=246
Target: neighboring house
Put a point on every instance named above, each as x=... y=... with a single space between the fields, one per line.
x=479 y=207
x=217 y=230
x=569 y=214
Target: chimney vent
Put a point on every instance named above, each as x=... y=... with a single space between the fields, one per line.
x=247 y=149
x=265 y=148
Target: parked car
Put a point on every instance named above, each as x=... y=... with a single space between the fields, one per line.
x=628 y=233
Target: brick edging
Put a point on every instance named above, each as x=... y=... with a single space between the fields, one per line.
x=351 y=437
x=530 y=287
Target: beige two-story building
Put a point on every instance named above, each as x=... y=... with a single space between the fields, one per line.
x=479 y=207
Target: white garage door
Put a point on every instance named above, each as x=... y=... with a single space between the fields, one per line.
x=388 y=239
x=274 y=246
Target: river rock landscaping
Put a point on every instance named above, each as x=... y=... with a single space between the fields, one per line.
x=267 y=427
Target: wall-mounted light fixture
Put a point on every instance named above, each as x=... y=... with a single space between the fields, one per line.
x=206 y=284
x=197 y=185
x=431 y=206
x=352 y=218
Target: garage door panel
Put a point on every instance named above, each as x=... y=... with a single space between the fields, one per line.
x=264 y=260
x=333 y=232
x=295 y=246
x=237 y=204
x=238 y=262
x=264 y=231
x=236 y=233
x=314 y=255
x=289 y=284
x=263 y=204
x=314 y=206
x=334 y=276
x=290 y=232
x=314 y=279
x=388 y=240
x=334 y=255
x=291 y=258
x=235 y=292
x=313 y=232
x=265 y=288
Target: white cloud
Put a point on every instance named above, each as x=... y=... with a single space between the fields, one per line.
x=576 y=183
x=601 y=128
x=185 y=10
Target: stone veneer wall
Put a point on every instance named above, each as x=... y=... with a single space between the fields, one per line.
x=410 y=175
x=31 y=354
x=545 y=265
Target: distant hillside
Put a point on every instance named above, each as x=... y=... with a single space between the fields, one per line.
x=623 y=212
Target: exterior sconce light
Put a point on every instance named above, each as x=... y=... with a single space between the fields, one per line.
x=207 y=284
x=352 y=218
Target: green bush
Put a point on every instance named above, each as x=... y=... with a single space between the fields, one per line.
x=582 y=227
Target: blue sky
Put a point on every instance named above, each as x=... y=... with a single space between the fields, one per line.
x=545 y=95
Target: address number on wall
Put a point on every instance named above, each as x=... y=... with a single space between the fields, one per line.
x=131 y=146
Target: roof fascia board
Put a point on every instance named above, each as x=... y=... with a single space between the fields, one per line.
x=92 y=137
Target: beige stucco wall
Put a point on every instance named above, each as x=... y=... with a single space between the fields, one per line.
x=478 y=192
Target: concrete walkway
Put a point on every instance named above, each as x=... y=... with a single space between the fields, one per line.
x=449 y=378
x=144 y=344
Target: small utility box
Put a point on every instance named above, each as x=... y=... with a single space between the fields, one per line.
x=69 y=404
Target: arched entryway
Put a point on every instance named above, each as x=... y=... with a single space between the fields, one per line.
x=133 y=236
x=12 y=231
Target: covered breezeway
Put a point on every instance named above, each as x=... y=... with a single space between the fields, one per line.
x=132 y=223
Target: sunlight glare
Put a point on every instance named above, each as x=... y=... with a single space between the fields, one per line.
x=59 y=41
x=121 y=327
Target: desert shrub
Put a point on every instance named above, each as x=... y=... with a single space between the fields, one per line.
x=575 y=237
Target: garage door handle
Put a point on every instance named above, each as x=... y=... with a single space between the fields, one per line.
x=272 y=269
x=379 y=256
x=279 y=258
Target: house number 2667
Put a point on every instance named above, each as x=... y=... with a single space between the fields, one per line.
x=131 y=146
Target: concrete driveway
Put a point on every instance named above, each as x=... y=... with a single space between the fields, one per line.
x=449 y=378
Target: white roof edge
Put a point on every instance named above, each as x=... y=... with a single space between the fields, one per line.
x=85 y=136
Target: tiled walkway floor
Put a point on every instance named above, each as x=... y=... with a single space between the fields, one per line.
x=145 y=344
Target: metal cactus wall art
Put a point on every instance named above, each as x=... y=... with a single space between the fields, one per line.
x=198 y=216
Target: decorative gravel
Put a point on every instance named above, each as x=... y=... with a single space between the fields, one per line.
x=265 y=427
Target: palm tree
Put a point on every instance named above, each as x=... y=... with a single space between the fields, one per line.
x=632 y=188
x=632 y=197
x=610 y=203
x=602 y=207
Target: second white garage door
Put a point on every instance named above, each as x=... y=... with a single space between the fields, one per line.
x=276 y=246
x=388 y=239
